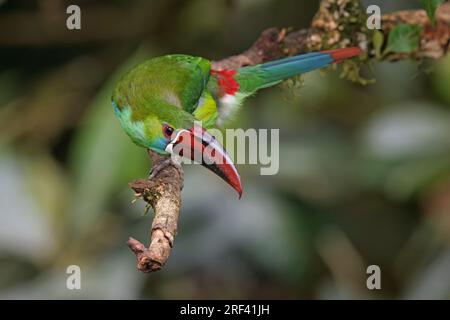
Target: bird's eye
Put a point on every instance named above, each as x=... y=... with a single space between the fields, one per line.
x=167 y=130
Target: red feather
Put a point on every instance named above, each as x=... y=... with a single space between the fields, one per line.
x=225 y=80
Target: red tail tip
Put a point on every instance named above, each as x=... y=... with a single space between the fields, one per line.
x=344 y=53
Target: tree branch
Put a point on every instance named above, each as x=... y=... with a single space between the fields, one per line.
x=337 y=24
x=163 y=194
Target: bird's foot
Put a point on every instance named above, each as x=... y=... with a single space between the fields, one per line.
x=170 y=161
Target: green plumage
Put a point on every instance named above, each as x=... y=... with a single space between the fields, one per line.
x=162 y=90
x=176 y=90
x=162 y=86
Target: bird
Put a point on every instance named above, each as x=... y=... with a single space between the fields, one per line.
x=159 y=101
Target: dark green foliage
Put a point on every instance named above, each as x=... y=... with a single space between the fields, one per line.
x=404 y=38
x=430 y=7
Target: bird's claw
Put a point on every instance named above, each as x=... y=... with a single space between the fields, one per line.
x=170 y=161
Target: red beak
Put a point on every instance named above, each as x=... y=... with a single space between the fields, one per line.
x=200 y=146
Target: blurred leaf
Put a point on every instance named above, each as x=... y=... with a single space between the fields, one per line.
x=103 y=158
x=213 y=15
x=10 y=84
x=208 y=211
x=306 y=169
x=404 y=38
x=405 y=180
x=441 y=78
x=25 y=229
x=110 y=277
x=408 y=131
x=48 y=184
x=431 y=7
x=378 y=41
x=433 y=281
x=405 y=149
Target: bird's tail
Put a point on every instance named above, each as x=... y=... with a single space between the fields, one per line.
x=253 y=78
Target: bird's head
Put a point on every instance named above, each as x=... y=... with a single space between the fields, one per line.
x=187 y=138
x=150 y=111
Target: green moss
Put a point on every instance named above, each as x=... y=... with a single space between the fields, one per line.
x=347 y=27
x=292 y=88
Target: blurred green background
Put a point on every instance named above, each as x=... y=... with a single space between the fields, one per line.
x=364 y=170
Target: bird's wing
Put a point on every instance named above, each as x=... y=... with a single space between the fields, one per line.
x=176 y=80
x=206 y=110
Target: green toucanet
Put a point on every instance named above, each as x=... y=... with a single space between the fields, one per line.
x=158 y=101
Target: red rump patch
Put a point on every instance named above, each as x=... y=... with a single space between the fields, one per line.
x=345 y=53
x=225 y=80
